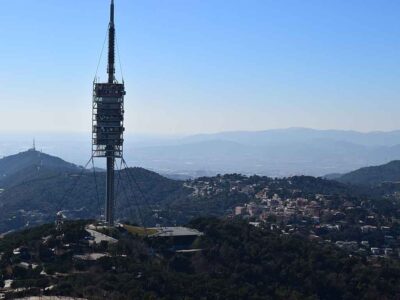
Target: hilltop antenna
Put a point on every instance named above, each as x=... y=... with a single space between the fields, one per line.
x=34 y=145
x=108 y=119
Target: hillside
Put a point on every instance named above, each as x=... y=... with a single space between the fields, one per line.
x=10 y=165
x=388 y=173
x=236 y=261
x=33 y=197
x=37 y=185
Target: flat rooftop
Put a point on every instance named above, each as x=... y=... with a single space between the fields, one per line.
x=175 y=231
x=99 y=237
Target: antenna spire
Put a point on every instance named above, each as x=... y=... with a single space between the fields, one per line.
x=111 y=46
x=112 y=12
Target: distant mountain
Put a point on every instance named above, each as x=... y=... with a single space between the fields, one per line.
x=31 y=159
x=278 y=152
x=285 y=152
x=300 y=135
x=388 y=173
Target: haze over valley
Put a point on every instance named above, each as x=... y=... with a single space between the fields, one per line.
x=279 y=152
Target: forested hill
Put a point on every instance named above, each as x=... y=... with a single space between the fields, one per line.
x=236 y=261
x=34 y=186
x=374 y=175
x=34 y=195
x=15 y=163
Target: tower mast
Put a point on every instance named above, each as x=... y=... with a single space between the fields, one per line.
x=108 y=118
x=109 y=211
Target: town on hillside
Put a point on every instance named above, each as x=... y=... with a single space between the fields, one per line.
x=319 y=210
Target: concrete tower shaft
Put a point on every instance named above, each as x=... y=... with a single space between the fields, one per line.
x=110 y=201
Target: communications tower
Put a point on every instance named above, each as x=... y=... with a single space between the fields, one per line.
x=108 y=120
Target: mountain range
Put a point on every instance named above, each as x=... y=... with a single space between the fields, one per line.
x=281 y=152
x=278 y=152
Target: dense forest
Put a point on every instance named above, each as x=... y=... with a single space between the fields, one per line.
x=237 y=261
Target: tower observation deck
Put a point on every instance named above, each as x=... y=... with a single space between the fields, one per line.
x=108 y=121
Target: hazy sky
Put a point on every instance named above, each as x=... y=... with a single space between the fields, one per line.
x=204 y=65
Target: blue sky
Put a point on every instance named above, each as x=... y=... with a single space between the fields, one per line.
x=194 y=66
